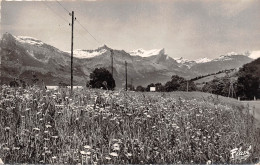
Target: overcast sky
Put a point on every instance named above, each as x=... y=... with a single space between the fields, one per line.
x=185 y=28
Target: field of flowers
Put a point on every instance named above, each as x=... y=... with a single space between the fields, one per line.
x=118 y=127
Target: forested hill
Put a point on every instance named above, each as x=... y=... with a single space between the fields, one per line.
x=249 y=80
x=252 y=68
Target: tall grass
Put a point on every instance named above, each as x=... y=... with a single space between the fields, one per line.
x=115 y=127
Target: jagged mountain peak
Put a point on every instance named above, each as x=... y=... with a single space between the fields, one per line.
x=104 y=47
x=29 y=43
x=7 y=38
x=7 y=35
x=28 y=40
x=147 y=53
x=22 y=39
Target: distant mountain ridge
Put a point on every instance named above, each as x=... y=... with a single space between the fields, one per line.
x=147 y=53
x=22 y=56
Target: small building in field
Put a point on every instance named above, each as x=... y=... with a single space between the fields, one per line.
x=152 y=89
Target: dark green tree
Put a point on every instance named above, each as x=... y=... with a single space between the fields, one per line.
x=191 y=86
x=248 y=86
x=14 y=83
x=175 y=83
x=23 y=83
x=219 y=86
x=248 y=83
x=140 y=88
x=35 y=79
x=159 y=87
x=101 y=77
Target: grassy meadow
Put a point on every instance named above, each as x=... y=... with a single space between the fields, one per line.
x=254 y=105
x=118 y=127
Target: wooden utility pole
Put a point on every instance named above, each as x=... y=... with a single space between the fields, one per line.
x=132 y=87
x=72 y=24
x=231 y=89
x=112 y=60
x=187 y=86
x=125 y=75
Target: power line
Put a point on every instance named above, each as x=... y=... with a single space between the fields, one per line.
x=63 y=7
x=85 y=38
x=78 y=22
x=55 y=12
x=87 y=31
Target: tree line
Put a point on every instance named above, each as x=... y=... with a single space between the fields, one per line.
x=177 y=83
x=211 y=74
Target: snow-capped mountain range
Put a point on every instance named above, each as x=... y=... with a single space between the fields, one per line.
x=79 y=53
x=23 y=55
x=146 y=53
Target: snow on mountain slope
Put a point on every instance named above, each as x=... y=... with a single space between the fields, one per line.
x=202 y=60
x=79 y=53
x=146 y=53
x=223 y=58
x=182 y=60
x=254 y=54
x=230 y=56
x=246 y=53
x=28 y=40
x=186 y=61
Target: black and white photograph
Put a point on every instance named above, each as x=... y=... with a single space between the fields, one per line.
x=130 y=82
